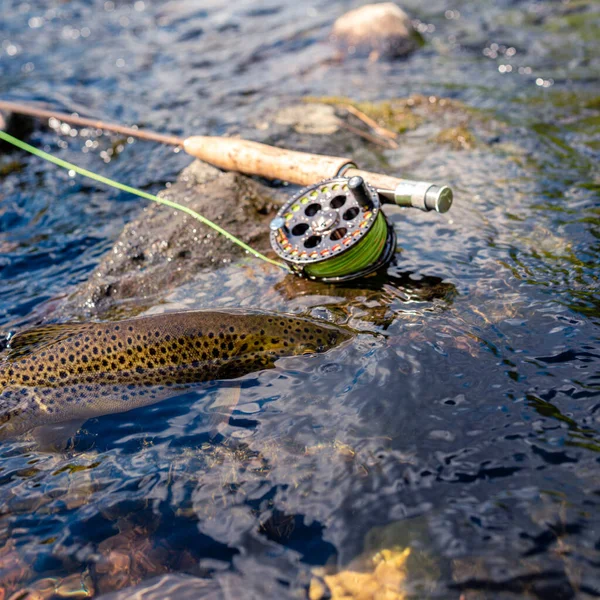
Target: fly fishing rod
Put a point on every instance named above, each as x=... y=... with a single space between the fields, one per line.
x=334 y=229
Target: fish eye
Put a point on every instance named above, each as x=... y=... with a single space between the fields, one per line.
x=306 y=348
x=310 y=348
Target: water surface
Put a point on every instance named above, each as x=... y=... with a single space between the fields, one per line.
x=462 y=421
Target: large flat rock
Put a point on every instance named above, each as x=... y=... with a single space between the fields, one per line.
x=163 y=248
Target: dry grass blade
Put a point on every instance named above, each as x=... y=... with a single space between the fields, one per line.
x=359 y=114
x=385 y=143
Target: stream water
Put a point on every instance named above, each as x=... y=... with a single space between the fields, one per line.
x=462 y=422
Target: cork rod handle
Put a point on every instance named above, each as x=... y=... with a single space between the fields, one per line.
x=302 y=168
x=253 y=158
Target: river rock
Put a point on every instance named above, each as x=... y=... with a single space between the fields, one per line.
x=313 y=119
x=163 y=248
x=376 y=30
x=224 y=585
x=20 y=126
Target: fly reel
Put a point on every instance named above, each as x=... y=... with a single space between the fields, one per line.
x=334 y=231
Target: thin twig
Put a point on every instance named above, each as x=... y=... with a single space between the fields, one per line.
x=359 y=114
x=385 y=143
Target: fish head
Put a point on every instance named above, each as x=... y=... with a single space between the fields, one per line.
x=292 y=336
x=329 y=338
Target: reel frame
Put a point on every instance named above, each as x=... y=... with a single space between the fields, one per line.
x=326 y=220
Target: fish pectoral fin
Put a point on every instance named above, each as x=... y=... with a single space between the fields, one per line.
x=25 y=342
x=222 y=407
x=55 y=436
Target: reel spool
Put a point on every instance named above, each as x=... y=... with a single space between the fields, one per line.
x=334 y=231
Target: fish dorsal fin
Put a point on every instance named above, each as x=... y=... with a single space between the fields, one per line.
x=25 y=342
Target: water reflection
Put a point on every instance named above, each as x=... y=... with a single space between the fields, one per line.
x=376 y=299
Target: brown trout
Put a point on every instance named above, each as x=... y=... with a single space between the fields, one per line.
x=66 y=374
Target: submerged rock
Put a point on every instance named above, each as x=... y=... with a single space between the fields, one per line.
x=173 y=585
x=458 y=138
x=453 y=123
x=315 y=119
x=383 y=576
x=376 y=30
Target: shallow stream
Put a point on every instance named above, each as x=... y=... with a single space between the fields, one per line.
x=462 y=422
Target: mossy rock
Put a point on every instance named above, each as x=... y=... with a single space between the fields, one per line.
x=395 y=115
x=458 y=138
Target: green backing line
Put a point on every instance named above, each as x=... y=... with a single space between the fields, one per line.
x=125 y=188
x=359 y=257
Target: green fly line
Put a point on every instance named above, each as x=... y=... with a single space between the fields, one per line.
x=131 y=190
x=357 y=258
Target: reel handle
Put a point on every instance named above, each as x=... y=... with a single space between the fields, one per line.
x=405 y=192
x=303 y=168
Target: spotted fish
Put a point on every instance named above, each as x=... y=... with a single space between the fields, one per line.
x=58 y=376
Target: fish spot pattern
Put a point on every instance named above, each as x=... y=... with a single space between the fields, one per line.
x=97 y=360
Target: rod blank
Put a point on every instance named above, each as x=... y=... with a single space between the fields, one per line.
x=41 y=113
